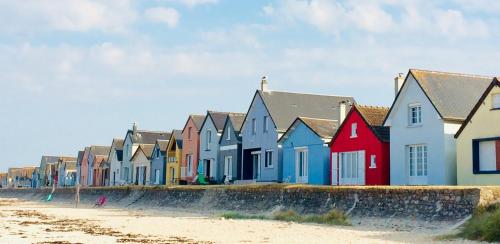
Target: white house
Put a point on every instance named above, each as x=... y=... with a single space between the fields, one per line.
x=115 y=159
x=428 y=110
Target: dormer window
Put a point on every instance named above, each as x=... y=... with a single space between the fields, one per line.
x=414 y=115
x=496 y=101
x=354 y=130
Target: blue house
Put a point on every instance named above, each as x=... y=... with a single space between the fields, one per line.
x=230 y=147
x=306 y=154
x=158 y=163
x=269 y=116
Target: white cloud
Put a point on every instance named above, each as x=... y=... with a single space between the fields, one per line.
x=75 y=15
x=453 y=23
x=168 y=16
x=194 y=3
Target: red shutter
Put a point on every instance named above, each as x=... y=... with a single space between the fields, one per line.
x=497 y=149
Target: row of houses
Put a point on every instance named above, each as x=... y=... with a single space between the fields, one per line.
x=441 y=129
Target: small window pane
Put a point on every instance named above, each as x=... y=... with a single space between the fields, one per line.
x=496 y=101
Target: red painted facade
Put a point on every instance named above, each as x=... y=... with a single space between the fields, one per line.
x=366 y=140
x=190 y=146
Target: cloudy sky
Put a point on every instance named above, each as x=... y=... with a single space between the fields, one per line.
x=80 y=72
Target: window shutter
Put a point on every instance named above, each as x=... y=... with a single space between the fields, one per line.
x=361 y=167
x=335 y=160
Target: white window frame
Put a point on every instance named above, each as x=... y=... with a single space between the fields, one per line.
x=268 y=161
x=208 y=139
x=417 y=162
x=354 y=130
x=418 y=114
x=495 y=101
x=302 y=153
x=228 y=167
x=189 y=159
x=228 y=134
x=373 y=161
x=266 y=123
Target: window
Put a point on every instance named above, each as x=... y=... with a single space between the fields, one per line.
x=354 y=130
x=254 y=126
x=301 y=160
x=349 y=165
x=417 y=160
x=373 y=161
x=189 y=133
x=208 y=139
x=228 y=133
x=269 y=159
x=265 y=123
x=415 y=115
x=228 y=167
x=189 y=160
x=496 y=101
x=486 y=155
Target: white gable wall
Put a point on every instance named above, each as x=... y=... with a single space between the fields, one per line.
x=430 y=133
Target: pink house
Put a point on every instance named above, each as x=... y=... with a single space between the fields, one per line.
x=191 y=148
x=84 y=167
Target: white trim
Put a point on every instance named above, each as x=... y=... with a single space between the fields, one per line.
x=300 y=148
x=228 y=147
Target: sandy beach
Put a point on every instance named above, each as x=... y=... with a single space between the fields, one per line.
x=31 y=222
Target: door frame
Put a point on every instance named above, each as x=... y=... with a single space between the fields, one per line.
x=305 y=166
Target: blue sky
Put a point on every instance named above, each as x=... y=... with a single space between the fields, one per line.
x=78 y=73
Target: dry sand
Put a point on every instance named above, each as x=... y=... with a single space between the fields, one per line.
x=30 y=222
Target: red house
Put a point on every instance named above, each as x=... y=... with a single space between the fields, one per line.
x=360 y=148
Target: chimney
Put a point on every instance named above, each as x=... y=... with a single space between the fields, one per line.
x=134 y=127
x=342 y=111
x=398 y=83
x=264 y=84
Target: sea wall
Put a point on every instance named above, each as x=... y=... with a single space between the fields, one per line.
x=425 y=203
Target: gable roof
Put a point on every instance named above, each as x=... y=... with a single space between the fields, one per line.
x=453 y=95
x=494 y=83
x=162 y=144
x=323 y=128
x=197 y=120
x=374 y=117
x=218 y=119
x=147 y=137
x=99 y=150
x=177 y=135
x=146 y=149
x=118 y=143
x=285 y=107
x=237 y=120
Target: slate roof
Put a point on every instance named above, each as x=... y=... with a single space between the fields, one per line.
x=148 y=137
x=178 y=137
x=374 y=115
x=198 y=120
x=80 y=157
x=100 y=150
x=162 y=144
x=323 y=127
x=285 y=107
x=452 y=94
x=237 y=120
x=71 y=165
x=118 y=143
x=146 y=148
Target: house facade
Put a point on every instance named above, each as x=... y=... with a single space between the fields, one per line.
x=141 y=164
x=268 y=117
x=174 y=158
x=44 y=179
x=360 y=148
x=478 y=141
x=428 y=110
x=133 y=139
x=79 y=160
x=158 y=163
x=230 y=153
x=96 y=157
x=306 y=153
x=115 y=159
x=84 y=168
x=191 y=148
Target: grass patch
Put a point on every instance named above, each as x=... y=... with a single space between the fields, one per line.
x=333 y=217
x=484 y=225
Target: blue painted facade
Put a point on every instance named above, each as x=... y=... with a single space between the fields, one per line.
x=318 y=160
x=158 y=166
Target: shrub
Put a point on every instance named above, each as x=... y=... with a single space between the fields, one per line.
x=334 y=217
x=241 y=216
x=484 y=225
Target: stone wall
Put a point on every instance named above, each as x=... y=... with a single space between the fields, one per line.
x=426 y=203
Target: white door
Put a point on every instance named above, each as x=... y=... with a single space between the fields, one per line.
x=335 y=171
x=301 y=165
x=352 y=170
x=256 y=165
x=228 y=167
x=417 y=164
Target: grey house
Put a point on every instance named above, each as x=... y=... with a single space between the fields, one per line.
x=230 y=147
x=210 y=133
x=158 y=163
x=269 y=116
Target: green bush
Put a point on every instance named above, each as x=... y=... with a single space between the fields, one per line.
x=241 y=216
x=484 y=225
x=333 y=217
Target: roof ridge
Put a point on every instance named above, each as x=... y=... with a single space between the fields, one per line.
x=371 y=106
x=324 y=95
x=304 y=117
x=453 y=73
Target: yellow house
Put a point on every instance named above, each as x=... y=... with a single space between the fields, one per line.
x=174 y=158
x=478 y=141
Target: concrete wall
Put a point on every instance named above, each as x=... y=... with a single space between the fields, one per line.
x=430 y=133
x=426 y=203
x=484 y=124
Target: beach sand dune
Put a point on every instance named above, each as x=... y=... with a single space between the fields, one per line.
x=31 y=222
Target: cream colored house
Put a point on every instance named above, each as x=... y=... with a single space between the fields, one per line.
x=141 y=164
x=478 y=141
